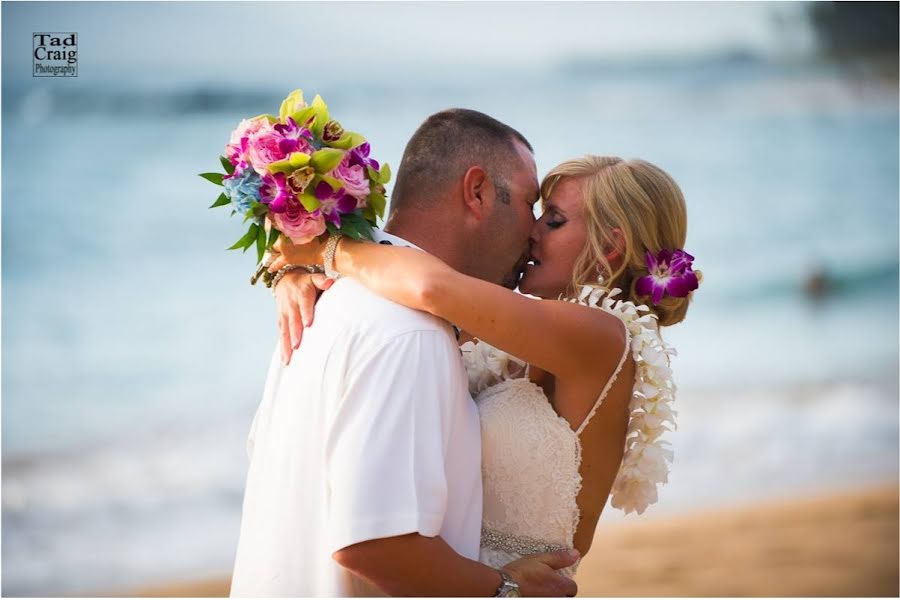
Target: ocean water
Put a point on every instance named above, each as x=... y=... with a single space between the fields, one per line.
x=134 y=352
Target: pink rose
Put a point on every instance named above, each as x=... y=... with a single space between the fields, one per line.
x=298 y=224
x=263 y=148
x=355 y=179
x=236 y=148
x=276 y=142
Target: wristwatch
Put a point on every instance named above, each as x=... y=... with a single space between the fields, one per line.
x=509 y=588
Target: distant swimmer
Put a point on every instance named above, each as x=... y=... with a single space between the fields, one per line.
x=817 y=284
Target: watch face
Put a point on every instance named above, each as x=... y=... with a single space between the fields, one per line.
x=514 y=593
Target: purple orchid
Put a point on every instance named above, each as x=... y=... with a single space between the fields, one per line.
x=334 y=203
x=360 y=156
x=670 y=273
x=293 y=137
x=238 y=158
x=275 y=192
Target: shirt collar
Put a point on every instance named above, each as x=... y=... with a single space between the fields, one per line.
x=381 y=236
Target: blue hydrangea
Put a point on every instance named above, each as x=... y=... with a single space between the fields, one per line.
x=243 y=190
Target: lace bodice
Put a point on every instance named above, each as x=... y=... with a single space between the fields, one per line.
x=530 y=460
x=531 y=456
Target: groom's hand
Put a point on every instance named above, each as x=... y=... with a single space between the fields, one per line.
x=537 y=574
x=296 y=295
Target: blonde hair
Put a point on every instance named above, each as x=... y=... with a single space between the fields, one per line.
x=645 y=204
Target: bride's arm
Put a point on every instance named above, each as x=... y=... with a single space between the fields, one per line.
x=566 y=339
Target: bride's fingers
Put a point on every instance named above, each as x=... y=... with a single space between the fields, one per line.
x=286 y=349
x=321 y=281
x=306 y=299
x=295 y=325
x=279 y=262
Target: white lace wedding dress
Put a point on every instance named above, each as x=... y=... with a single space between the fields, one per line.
x=531 y=456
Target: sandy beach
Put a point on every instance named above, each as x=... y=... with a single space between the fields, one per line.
x=844 y=544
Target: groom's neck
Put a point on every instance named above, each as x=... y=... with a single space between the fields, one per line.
x=435 y=242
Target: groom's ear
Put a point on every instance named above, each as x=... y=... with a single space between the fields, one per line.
x=477 y=189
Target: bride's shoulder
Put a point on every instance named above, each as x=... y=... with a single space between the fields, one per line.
x=635 y=318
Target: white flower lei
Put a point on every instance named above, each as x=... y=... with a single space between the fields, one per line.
x=487 y=366
x=644 y=464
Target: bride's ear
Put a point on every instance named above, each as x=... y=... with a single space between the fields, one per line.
x=616 y=251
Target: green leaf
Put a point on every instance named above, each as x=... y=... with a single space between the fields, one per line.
x=348 y=227
x=246 y=239
x=378 y=203
x=249 y=214
x=215 y=178
x=273 y=237
x=226 y=164
x=252 y=233
x=384 y=175
x=366 y=230
x=356 y=226
x=222 y=200
x=326 y=159
x=260 y=243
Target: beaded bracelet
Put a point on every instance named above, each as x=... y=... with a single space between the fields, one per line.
x=330 y=248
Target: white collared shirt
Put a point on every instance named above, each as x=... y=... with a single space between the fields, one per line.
x=369 y=433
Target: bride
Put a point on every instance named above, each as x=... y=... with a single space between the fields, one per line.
x=574 y=390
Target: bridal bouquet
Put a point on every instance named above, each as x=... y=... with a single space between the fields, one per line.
x=302 y=172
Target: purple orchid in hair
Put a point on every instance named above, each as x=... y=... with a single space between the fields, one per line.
x=275 y=192
x=334 y=203
x=670 y=274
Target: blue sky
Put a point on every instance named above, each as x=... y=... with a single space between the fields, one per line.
x=209 y=40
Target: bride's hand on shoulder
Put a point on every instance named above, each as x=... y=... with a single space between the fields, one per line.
x=296 y=295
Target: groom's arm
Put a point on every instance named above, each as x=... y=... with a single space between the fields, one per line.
x=414 y=565
x=387 y=480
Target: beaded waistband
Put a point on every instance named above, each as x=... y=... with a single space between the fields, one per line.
x=516 y=544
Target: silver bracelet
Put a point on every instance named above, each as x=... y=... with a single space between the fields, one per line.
x=311 y=269
x=330 y=248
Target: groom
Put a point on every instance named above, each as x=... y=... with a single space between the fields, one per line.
x=365 y=466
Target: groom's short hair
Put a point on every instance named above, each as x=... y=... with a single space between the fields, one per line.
x=446 y=145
